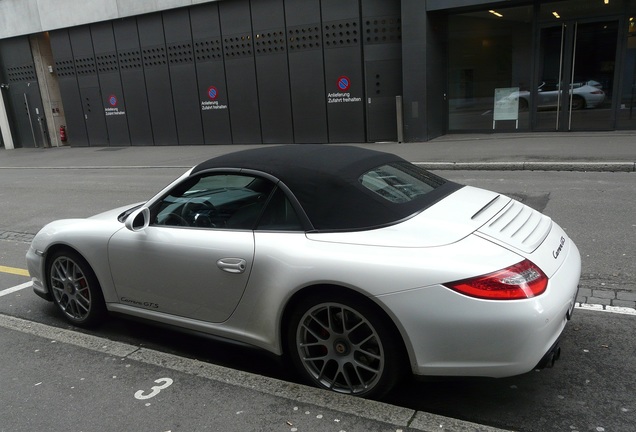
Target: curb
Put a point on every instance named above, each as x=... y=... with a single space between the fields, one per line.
x=531 y=166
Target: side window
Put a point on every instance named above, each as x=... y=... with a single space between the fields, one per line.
x=230 y=201
x=279 y=215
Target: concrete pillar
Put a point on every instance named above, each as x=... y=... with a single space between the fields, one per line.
x=4 y=123
x=49 y=86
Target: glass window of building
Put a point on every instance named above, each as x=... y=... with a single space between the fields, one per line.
x=627 y=108
x=577 y=58
x=490 y=63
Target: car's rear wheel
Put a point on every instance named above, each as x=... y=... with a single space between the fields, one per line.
x=76 y=291
x=341 y=343
x=578 y=103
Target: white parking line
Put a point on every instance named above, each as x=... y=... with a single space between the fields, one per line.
x=606 y=308
x=15 y=288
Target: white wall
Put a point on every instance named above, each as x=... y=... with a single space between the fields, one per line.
x=23 y=17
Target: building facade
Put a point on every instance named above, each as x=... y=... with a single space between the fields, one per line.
x=195 y=72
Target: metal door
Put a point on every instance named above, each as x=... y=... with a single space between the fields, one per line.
x=94 y=116
x=25 y=118
x=22 y=93
x=382 y=48
x=88 y=83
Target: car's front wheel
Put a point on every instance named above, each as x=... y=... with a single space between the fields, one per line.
x=341 y=343
x=76 y=291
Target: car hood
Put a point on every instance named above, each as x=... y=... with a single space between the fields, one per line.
x=115 y=213
x=448 y=221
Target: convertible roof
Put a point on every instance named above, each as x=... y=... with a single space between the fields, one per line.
x=325 y=181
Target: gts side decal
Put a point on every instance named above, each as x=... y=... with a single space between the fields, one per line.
x=139 y=303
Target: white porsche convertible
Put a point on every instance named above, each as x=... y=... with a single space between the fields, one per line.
x=354 y=264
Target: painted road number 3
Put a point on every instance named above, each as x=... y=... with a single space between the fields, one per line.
x=165 y=383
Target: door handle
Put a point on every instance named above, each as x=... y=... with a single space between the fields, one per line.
x=232 y=265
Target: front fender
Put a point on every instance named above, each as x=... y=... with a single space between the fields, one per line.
x=89 y=237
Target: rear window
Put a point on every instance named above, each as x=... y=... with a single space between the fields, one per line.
x=400 y=182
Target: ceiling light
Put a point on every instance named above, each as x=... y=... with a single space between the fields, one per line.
x=495 y=13
x=556 y=14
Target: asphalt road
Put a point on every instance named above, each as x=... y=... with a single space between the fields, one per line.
x=591 y=389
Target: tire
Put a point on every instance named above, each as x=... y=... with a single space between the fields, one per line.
x=578 y=103
x=75 y=289
x=523 y=104
x=341 y=343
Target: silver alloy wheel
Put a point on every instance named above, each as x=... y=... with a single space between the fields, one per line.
x=340 y=348
x=70 y=288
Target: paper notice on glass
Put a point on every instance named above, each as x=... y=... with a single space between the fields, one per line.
x=506 y=104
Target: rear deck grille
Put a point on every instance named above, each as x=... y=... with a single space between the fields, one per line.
x=519 y=226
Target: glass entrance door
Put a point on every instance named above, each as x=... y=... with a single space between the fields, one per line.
x=576 y=76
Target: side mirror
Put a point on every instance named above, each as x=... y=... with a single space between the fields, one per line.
x=138 y=220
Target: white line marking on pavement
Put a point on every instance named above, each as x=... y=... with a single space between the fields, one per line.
x=15 y=288
x=605 y=308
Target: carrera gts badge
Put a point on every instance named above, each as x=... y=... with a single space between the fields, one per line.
x=558 y=250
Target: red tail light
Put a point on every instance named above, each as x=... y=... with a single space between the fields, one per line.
x=520 y=281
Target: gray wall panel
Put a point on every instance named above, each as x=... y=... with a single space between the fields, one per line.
x=183 y=76
x=240 y=71
x=272 y=71
x=343 y=70
x=306 y=71
x=133 y=81
x=157 y=75
x=243 y=71
x=113 y=100
x=210 y=67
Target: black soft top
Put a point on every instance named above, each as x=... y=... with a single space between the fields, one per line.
x=325 y=181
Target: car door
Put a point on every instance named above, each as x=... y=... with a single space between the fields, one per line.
x=195 y=257
x=548 y=95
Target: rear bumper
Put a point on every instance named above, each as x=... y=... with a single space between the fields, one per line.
x=449 y=334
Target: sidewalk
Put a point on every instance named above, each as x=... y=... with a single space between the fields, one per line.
x=83 y=382
x=590 y=151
